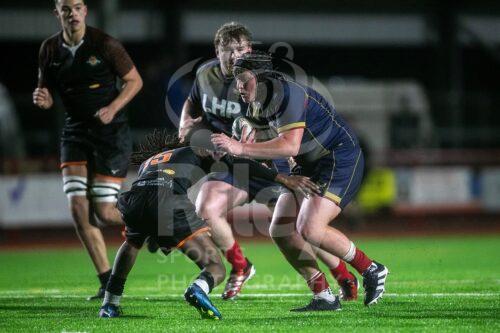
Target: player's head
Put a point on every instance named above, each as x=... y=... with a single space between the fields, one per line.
x=71 y=14
x=249 y=69
x=154 y=143
x=231 y=40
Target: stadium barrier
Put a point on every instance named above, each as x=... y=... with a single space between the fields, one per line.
x=37 y=200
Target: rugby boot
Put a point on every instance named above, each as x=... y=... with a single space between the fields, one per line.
x=374 y=282
x=109 y=310
x=320 y=304
x=197 y=298
x=349 y=289
x=236 y=281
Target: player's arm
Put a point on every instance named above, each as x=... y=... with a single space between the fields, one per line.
x=42 y=96
x=190 y=116
x=125 y=69
x=191 y=110
x=132 y=84
x=290 y=121
x=256 y=170
x=287 y=144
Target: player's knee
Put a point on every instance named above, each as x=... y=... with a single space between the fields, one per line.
x=75 y=188
x=310 y=232
x=209 y=209
x=106 y=214
x=283 y=229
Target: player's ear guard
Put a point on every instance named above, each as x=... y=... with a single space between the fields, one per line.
x=259 y=63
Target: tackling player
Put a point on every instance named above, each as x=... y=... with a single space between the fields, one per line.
x=324 y=148
x=215 y=103
x=157 y=206
x=82 y=65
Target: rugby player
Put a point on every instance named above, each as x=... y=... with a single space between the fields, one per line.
x=324 y=148
x=215 y=103
x=82 y=64
x=157 y=206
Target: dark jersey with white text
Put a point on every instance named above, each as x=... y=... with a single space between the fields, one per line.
x=217 y=97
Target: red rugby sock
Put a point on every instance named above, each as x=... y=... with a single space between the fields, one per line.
x=340 y=272
x=360 y=262
x=236 y=258
x=317 y=283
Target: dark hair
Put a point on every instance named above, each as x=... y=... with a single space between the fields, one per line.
x=229 y=31
x=154 y=143
x=57 y=1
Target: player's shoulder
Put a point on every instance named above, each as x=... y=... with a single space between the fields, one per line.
x=294 y=90
x=291 y=85
x=208 y=66
x=51 y=42
x=100 y=38
x=95 y=33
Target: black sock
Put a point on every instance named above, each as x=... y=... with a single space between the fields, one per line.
x=104 y=277
x=116 y=285
x=207 y=276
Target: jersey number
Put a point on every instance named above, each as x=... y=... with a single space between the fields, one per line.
x=161 y=158
x=157 y=159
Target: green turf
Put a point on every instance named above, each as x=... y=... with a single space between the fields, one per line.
x=436 y=284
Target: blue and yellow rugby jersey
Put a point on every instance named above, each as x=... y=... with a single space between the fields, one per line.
x=288 y=105
x=218 y=98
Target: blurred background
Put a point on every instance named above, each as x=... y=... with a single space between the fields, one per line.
x=418 y=80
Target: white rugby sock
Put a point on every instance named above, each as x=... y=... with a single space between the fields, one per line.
x=203 y=285
x=326 y=295
x=111 y=298
x=349 y=256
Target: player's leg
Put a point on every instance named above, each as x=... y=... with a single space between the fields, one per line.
x=300 y=254
x=348 y=284
x=203 y=252
x=213 y=202
x=313 y=224
x=104 y=193
x=124 y=261
x=347 y=281
x=139 y=225
x=113 y=147
x=75 y=187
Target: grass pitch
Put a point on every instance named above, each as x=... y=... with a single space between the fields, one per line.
x=436 y=284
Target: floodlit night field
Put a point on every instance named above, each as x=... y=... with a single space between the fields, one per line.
x=435 y=284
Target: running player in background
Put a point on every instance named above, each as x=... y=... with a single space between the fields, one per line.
x=157 y=206
x=82 y=64
x=215 y=103
x=327 y=150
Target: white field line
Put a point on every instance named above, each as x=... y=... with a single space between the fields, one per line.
x=15 y=295
x=158 y=289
